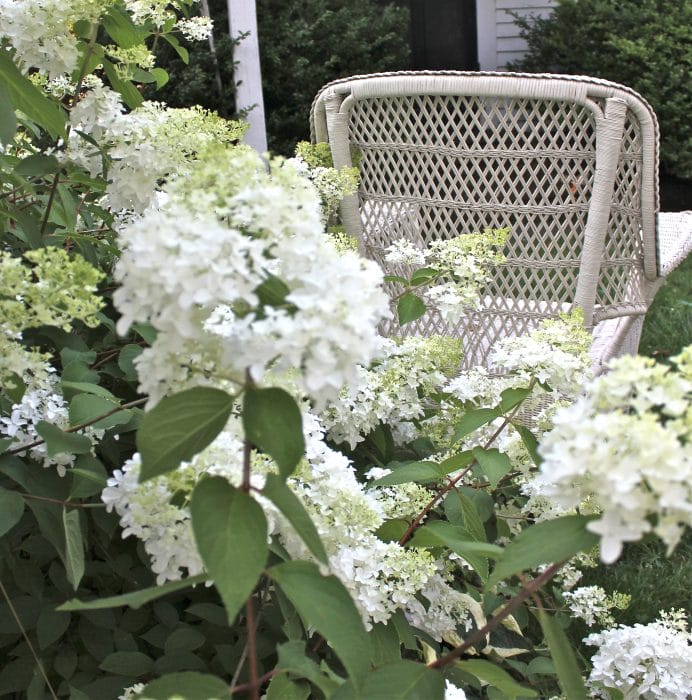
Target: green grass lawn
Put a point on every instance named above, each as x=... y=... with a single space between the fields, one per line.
x=668 y=325
x=656 y=582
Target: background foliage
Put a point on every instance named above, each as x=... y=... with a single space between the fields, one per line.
x=644 y=44
x=303 y=45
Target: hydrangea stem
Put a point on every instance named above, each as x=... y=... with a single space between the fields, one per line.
x=528 y=591
x=250 y=602
x=75 y=428
x=453 y=482
x=39 y=665
x=251 y=648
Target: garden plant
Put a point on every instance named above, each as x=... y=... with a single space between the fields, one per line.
x=218 y=480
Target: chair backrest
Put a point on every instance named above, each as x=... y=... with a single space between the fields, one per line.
x=569 y=164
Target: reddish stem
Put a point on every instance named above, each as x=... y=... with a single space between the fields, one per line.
x=480 y=634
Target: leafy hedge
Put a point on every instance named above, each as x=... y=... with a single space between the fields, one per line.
x=303 y=45
x=646 y=45
x=308 y=43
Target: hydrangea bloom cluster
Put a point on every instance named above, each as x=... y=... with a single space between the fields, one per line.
x=315 y=162
x=40 y=31
x=556 y=353
x=403 y=501
x=142 y=146
x=195 y=28
x=132 y=692
x=158 y=12
x=19 y=363
x=56 y=291
x=392 y=391
x=146 y=512
x=452 y=692
x=128 y=60
x=41 y=401
x=459 y=268
x=645 y=661
x=382 y=577
x=480 y=388
x=625 y=446
x=593 y=605
x=235 y=272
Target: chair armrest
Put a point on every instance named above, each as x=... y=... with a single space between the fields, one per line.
x=674 y=239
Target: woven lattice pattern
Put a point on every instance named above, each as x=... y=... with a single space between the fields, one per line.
x=435 y=165
x=674 y=238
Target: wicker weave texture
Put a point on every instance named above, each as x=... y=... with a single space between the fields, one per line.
x=674 y=239
x=568 y=164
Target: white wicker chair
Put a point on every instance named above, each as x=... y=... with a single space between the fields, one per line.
x=570 y=164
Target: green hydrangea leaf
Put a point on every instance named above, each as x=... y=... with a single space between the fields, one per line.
x=188 y=685
x=544 y=543
x=60 y=442
x=179 y=427
x=273 y=423
x=326 y=605
x=11 y=509
x=231 y=535
x=403 y=680
x=409 y=308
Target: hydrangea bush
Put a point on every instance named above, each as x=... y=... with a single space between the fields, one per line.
x=217 y=479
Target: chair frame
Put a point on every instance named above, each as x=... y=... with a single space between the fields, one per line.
x=622 y=138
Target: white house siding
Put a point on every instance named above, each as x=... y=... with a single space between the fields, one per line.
x=499 y=41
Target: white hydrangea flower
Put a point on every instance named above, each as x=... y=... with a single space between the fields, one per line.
x=624 y=446
x=158 y=12
x=459 y=267
x=392 y=392
x=447 y=610
x=556 y=353
x=60 y=86
x=41 y=33
x=41 y=402
x=382 y=577
x=453 y=692
x=18 y=361
x=593 y=605
x=405 y=252
x=403 y=501
x=477 y=385
x=451 y=302
x=236 y=226
x=143 y=146
x=146 y=512
x=196 y=28
x=645 y=661
x=568 y=576
x=132 y=692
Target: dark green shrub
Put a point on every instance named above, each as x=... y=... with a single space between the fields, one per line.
x=307 y=43
x=645 y=44
x=303 y=45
